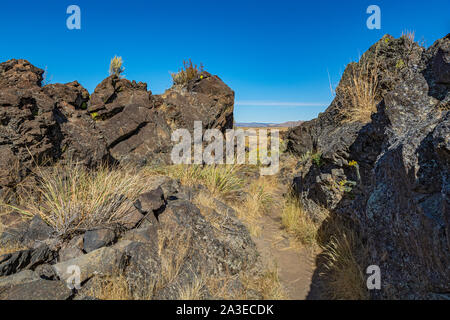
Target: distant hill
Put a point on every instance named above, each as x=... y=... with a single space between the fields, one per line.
x=288 y=124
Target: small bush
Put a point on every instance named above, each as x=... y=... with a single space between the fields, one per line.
x=115 y=67
x=360 y=90
x=222 y=181
x=344 y=276
x=410 y=35
x=74 y=199
x=317 y=159
x=297 y=222
x=189 y=72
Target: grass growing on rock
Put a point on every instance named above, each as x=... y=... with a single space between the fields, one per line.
x=297 y=222
x=72 y=198
x=188 y=72
x=361 y=91
x=344 y=276
x=222 y=181
x=342 y=253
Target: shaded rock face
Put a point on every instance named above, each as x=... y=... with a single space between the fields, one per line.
x=120 y=122
x=125 y=117
x=399 y=198
x=39 y=124
x=206 y=98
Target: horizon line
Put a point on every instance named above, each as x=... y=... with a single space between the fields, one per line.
x=263 y=103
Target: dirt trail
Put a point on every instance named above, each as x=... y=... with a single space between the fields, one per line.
x=296 y=264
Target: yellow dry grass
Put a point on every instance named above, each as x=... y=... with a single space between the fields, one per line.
x=298 y=223
x=344 y=275
x=360 y=90
x=73 y=198
x=223 y=181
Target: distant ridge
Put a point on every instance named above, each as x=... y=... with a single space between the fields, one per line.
x=288 y=124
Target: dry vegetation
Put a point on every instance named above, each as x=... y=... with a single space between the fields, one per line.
x=297 y=222
x=188 y=72
x=360 y=89
x=222 y=181
x=344 y=278
x=341 y=250
x=408 y=34
x=72 y=198
x=116 y=67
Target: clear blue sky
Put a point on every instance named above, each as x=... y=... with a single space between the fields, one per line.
x=274 y=54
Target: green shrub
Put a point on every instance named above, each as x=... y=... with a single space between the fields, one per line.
x=317 y=159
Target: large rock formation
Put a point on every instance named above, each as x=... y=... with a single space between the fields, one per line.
x=42 y=124
x=163 y=235
x=120 y=122
x=397 y=192
x=205 y=98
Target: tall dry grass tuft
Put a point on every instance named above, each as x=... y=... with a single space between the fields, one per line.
x=193 y=291
x=344 y=257
x=297 y=222
x=361 y=91
x=266 y=284
x=344 y=275
x=188 y=72
x=223 y=181
x=173 y=247
x=73 y=198
x=110 y=288
x=408 y=34
x=258 y=201
x=116 y=66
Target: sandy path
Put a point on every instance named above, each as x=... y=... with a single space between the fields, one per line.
x=296 y=264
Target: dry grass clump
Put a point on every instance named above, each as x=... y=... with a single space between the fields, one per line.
x=188 y=72
x=223 y=181
x=111 y=288
x=408 y=34
x=173 y=248
x=73 y=198
x=209 y=210
x=360 y=90
x=258 y=201
x=11 y=248
x=116 y=66
x=297 y=222
x=194 y=290
x=344 y=275
x=342 y=250
x=267 y=284
x=343 y=260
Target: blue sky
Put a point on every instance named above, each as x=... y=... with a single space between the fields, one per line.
x=276 y=55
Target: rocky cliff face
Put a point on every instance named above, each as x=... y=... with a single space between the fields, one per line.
x=121 y=122
x=391 y=175
x=163 y=242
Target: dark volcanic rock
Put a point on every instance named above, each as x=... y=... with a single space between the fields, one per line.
x=132 y=129
x=399 y=192
x=121 y=121
x=41 y=124
x=37 y=290
x=206 y=98
x=150 y=202
x=25 y=259
x=95 y=239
